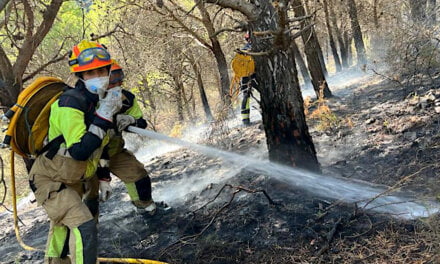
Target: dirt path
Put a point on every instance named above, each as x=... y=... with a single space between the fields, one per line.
x=383 y=136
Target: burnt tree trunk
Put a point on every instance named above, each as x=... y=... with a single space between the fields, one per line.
x=320 y=55
x=288 y=138
x=311 y=47
x=357 y=33
x=301 y=64
x=331 y=40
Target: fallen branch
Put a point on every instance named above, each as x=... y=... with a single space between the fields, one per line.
x=386 y=77
x=329 y=237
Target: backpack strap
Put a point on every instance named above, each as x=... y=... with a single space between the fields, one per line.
x=79 y=97
x=52 y=147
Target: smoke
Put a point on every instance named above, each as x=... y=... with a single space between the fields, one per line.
x=191 y=185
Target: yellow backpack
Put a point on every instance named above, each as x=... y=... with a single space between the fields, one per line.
x=29 y=117
x=242 y=65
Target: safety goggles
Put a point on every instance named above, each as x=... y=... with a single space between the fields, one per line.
x=87 y=56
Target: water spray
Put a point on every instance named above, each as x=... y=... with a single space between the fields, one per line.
x=365 y=194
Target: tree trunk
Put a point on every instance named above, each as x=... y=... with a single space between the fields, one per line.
x=218 y=54
x=320 y=55
x=8 y=92
x=288 y=138
x=179 y=98
x=301 y=64
x=186 y=101
x=339 y=37
x=311 y=47
x=347 y=39
x=331 y=40
x=357 y=33
x=149 y=95
x=203 y=97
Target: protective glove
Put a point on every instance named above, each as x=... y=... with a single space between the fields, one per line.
x=110 y=104
x=105 y=190
x=123 y=121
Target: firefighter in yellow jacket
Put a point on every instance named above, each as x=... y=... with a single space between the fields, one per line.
x=120 y=161
x=78 y=132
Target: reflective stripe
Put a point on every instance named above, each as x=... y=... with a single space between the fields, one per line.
x=79 y=249
x=104 y=162
x=57 y=241
x=96 y=130
x=132 y=191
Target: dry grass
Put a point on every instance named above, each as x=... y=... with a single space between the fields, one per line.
x=326 y=118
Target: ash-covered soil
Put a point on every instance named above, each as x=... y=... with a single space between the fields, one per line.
x=224 y=213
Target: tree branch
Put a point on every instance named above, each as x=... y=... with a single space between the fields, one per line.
x=5 y=65
x=235 y=29
x=30 y=44
x=42 y=67
x=30 y=18
x=187 y=29
x=117 y=29
x=187 y=13
x=295 y=19
x=247 y=9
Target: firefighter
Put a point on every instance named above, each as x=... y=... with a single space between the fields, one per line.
x=118 y=160
x=79 y=123
x=246 y=85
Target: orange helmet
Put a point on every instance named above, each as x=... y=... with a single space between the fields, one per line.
x=88 y=55
x=115 y=66
x=116 y=73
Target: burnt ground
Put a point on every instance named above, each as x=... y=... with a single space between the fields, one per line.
x=383 y=133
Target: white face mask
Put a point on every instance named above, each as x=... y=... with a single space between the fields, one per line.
x=97 y=85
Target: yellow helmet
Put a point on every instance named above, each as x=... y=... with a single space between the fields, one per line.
x=88 y=55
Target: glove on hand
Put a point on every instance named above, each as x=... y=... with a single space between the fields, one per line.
x=105 y=190
x=123 y=121
x=110 y=104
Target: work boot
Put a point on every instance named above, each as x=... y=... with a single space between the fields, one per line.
x=145 y=207
x=246 y=122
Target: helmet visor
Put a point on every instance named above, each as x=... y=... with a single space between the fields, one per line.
x=87 y=56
